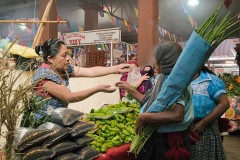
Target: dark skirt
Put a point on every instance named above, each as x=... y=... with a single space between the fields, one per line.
x=209 y=147
x=158 y=144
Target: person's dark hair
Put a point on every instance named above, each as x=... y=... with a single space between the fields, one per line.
x=150 y=72
x=166 y=55
x=237 y=49
x=205 y=69
x=49 y=48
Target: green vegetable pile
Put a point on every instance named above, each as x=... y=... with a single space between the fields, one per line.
x=116 y=125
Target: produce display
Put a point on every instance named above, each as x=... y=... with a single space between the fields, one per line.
x=232 y=85
x=116 y=125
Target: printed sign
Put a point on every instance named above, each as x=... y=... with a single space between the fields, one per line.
x=92 y=37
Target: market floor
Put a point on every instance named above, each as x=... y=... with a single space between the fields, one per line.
x=232 y=147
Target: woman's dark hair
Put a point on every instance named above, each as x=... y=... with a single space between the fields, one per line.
x=205 y=69
x=150 y=72
x=49 y=48
x=166 y=54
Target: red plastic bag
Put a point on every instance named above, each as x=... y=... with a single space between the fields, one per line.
x=117 y=153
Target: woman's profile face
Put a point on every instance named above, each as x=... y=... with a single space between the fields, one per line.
x=62 y=60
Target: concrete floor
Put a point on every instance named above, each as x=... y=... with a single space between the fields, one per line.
x=232 y=147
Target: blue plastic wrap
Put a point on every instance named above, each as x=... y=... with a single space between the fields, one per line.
x=192 y=58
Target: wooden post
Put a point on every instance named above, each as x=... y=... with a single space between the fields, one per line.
x=41 y=27
x=111 y=63
x=91 y=22
x=148 y=33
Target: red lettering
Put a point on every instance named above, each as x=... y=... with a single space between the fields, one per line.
x=75 y=41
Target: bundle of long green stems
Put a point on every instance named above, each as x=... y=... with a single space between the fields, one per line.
x=141 y=139
x=214 y=30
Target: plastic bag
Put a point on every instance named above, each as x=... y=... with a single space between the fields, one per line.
x=134 y=76
x=65 y=116
x=38 y=153
x=88 y=153
x=3 y=43
x=64 y=147
x=57 y=136
x=27 y=137
x=67 y=156
x=84 y=141
x=81 y=128
x=22 y=51
x=50 y=125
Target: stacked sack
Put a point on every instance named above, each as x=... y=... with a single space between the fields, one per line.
x=62 y=138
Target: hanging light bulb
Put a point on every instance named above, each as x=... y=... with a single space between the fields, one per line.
x=193 y=2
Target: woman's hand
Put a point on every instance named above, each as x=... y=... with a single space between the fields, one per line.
x=200 y=127
x=140 y=123
x=123 y=68
x=124 y=85
x=106 y=88
x=131 y=90
x=145 y=78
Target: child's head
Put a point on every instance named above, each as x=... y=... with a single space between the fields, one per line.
x=149 y=70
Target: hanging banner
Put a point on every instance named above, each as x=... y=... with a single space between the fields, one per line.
x=136 y=11
x=125 y=22
x=129 y=27
x=113 y=20
x=101 y=13
x=117 y=22
x=135 y=27
x=163 y=32
x=92 y=37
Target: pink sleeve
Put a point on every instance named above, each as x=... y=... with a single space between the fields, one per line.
x=124 y=77
x=141 y=88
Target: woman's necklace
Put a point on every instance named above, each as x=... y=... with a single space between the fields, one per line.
x=58 y=74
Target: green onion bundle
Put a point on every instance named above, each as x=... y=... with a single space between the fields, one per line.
x=140 y=140
x=214 y=30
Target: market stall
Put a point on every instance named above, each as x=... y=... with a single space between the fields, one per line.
x=101 y=127
x=228 y=70
x=232 y=84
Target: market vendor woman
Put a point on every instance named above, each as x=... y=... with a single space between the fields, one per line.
x=52 y=78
